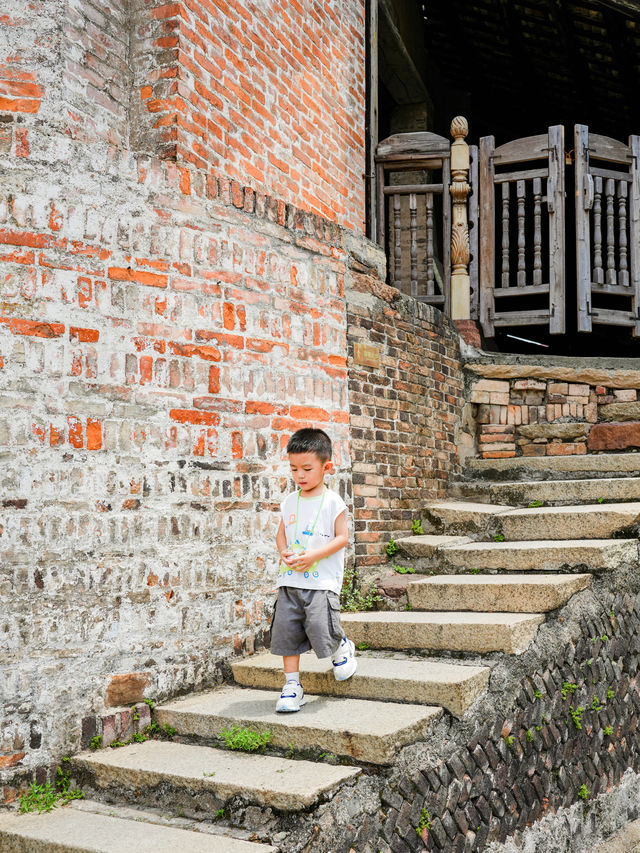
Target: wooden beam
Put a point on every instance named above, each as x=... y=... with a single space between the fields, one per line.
x=624 y=55
x=398 y=70
x=570 y=43
x=372 y=117
x=630 y=8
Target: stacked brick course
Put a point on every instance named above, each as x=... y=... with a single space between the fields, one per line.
x=549 y=417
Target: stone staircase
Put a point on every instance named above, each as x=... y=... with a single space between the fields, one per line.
x=487 y=573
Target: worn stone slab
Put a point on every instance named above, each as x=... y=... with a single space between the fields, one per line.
x=265 y=780
x=358 y=728
x=453 y=686
x=609 y=489
x=619 y=411
x=625 y=377
x=599 y=521
x=462 y=516
x=614 y=436
x=565 y=432
x=602 y=462
x=626 y=840
x=443 y=631
x=515 y=593
x=427 y=545
x=543 y=555
x=73 y=831
x=162 y=816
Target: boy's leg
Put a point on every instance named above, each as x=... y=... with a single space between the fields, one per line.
x=291 y=666
x=323 y=628
x=289 y=640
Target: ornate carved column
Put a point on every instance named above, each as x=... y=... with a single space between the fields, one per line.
x=460 y=281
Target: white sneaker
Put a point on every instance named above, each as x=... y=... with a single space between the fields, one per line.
x=291 y=698
x=344 y=660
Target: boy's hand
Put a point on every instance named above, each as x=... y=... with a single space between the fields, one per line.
x=288 y=557
x=302 y=562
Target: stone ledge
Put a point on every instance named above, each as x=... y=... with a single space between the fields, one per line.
x=612 y=378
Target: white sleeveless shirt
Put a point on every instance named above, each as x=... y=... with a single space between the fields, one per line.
x=312 y=522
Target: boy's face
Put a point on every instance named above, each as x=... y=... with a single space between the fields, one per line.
x=308 y=471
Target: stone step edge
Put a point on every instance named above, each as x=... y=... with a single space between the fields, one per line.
x=341 y=734
x=450 y=687
x=100 y=833
x=146 y=765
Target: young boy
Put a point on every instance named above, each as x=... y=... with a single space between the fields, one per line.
x=311 y=540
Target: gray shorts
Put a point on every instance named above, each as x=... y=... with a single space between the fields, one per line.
x=306 y=619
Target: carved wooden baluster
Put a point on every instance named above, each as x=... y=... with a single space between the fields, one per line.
x=623 y=275
x=460 y=290
x=597 y=272
x=430 y=276
x=522 y=272
x=413 y=245
x=611 y=236
x=505 y=234
x=397 y=250
x=537 y=231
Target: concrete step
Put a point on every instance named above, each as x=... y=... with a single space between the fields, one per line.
x=428 y=545
x=495 y=593
x=453 y=686
x=599 y=521
x=541 y=555
x=75 y=831
x=460 y=517
x=443 y=631
x=368 y=731
x=589 y=464
x=558 y=492
x=210 y=776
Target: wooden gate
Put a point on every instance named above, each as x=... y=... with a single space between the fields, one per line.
x=508 y=183
x=414 y=216
x=607 y=230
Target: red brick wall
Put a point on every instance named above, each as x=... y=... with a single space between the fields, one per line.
x=269 y=94
x=405 y=416
x=163 y=330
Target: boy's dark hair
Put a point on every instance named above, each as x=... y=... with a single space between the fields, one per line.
x=311 y=441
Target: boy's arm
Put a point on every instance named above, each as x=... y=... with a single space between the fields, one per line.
x=341 y=540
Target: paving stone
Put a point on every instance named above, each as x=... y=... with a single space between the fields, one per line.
x=85 y=832
x=542 y=555
x=569 y=522
x=366 y=730
x=453 y=686
x=515 y=593
x=471 y=632
x=221 y=773
x=595 y=462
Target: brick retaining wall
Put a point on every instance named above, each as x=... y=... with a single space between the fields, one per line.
x=544 y=416
x=406 y=407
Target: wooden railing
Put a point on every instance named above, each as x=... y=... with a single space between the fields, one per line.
x=414 y=216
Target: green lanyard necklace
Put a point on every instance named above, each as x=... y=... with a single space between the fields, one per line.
x=309 y=531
